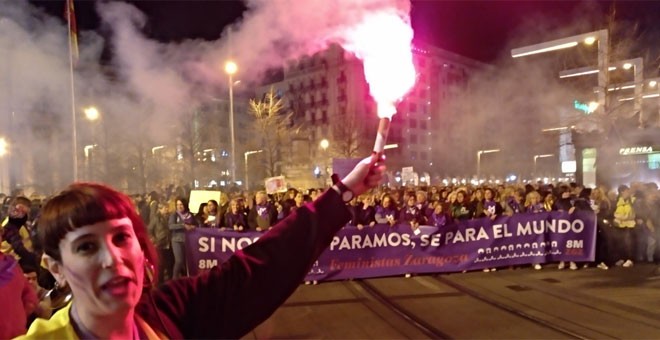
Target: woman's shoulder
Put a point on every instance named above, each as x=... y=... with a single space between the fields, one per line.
x=57 y=327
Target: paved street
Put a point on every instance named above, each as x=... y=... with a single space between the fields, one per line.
x=588 y=303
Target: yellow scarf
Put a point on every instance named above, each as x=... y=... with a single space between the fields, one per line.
x=59 y=327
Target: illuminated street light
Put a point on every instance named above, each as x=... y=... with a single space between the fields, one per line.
x=653 y=83
x=560 y=128
x=247 y=153
x=92 y=113
x=3 y=147
x=582 y=71
x=391 y=146
x=231 y=68
x=156 y=148
x=88 y=148
x=627 y=66
x=88 y=164
x=537 y=157
x=593 y=106
x=324 y=144
x=588 y=38
x=479 y=153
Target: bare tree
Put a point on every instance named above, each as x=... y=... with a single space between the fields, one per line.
x=273 y=130
x=348 y=131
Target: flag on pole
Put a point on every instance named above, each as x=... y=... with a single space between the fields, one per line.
x=70 y=16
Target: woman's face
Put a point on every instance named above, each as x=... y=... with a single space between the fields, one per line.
x=103 y=264
x=180 y=207
x=234 y=207
x=488 y=195
x=460 y=197
x=386 y=202
x=534 y=199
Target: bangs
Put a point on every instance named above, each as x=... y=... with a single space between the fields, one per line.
x=80 y=205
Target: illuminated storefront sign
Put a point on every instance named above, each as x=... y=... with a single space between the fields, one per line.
x=638 y=150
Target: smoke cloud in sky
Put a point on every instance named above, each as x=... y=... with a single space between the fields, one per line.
x=164 y=82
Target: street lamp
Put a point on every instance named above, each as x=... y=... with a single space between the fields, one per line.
x=637 y=64
x=231 y=68
x=324 y=144
x=88 y=164
x=479 y=153
x=247 y=153
x=601 y=36
x=540 y=156
x=156 y=148
x=92 y=113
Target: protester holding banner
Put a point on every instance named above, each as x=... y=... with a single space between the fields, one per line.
x=365 y=213
x=95 y=242
x=387 y=212
x=263 y=215
x=235 y=217
x=214 y=217
x=180 y=221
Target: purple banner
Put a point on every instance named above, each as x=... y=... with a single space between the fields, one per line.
x=386 y=251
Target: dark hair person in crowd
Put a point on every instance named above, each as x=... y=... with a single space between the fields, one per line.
x=179 y=222
x=96 y=244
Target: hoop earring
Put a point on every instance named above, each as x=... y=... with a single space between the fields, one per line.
x=149 y=272
x=59 y=296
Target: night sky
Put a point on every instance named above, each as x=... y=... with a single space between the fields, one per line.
x=477 y=29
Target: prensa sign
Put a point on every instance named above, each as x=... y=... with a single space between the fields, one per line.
x=636 y=150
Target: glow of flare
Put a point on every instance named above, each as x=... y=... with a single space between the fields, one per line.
x=383 y=41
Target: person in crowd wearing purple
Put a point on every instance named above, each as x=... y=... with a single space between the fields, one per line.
x=533 y=202
x=263 y=215
x=491 y=208
x=410 y=214
x=213 y=219
x=387 y=212
x=581 y=203
x=460 y=210
x=515 y=204
x=95 y=243
x=18 y=297
x=624 y=222
x=179 y=222
x=365 y=213
x=161 y=236
x=423 y=204
x=439 y=218
x=235 y=217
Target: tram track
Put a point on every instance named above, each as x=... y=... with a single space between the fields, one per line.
x=510 y=309
x=423 y=326
x=458 y=306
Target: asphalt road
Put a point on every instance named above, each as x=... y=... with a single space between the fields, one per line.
x=619 y=303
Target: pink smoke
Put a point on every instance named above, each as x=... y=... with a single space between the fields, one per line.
x=382 y=40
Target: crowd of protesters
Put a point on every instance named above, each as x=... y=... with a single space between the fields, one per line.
x=628 y=222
